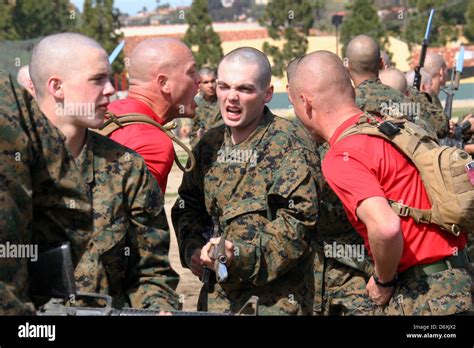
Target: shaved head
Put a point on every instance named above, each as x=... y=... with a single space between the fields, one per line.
x=314 y=102
x=251 y=56
x=291 y=68
x=363 y=54
x=394 y=78
x=433 y=63
x=57 y=55
x=425 y=77
x=327 y=74
x=206 y=72
x=158 y=55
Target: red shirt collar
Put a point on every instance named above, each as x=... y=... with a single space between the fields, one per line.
x=132 y=105
x=344 y=125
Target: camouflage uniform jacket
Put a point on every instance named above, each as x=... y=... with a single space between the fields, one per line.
x=430 y=111
x=207 y=116
x=267 y=206
x=41 y=193
x=373 y=96
x=127 y=256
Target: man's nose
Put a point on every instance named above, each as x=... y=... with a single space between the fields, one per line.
x=109 y=89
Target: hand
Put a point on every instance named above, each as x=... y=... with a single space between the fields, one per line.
x=379 y=294
x=207 y=249
x=196 y=265
x=452 y=127
x=470 y=119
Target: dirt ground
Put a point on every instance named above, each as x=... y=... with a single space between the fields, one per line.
x=189 y=285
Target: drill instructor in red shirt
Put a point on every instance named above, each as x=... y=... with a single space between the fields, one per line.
x=163 y=84
x=419 y=269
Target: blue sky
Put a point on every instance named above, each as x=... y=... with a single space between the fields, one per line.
x=133 y=6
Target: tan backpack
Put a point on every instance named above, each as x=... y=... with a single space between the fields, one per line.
x=115 y=122
x=442 y=170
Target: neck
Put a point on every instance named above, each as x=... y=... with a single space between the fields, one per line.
x=332 y=119
x=358 y=79
x=75 y=135
x=154 y=101
x=239 y=135
x=209 y=98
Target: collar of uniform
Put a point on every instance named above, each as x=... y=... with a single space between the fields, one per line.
x=255 y=137
x=369 y=81
x=85 y=160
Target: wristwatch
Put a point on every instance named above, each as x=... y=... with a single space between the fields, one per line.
x=387 y=284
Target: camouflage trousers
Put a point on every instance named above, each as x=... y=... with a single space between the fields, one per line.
x=339 y=289
x=342 y=291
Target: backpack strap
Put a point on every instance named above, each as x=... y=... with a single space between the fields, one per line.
x=113 y=123
x=369 y=125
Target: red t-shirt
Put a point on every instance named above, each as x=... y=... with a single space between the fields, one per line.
x=362 y=166
x=151 y=143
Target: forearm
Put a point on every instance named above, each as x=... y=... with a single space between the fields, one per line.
x=386 y=252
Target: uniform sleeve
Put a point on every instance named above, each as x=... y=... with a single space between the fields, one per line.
x=154 y=280
x=16 y=209
x=284 y=233
x=189 y=214
x=348 y=172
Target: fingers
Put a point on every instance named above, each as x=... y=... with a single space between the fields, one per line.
x=196 y=265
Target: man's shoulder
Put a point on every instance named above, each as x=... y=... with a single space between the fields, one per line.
x=289 y=134
x=112 y=151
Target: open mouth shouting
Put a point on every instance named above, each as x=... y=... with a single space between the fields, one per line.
x=233 y=113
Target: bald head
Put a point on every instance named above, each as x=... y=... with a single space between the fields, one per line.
x=251 y=56
x=291 y=68
x=434 y=62
x=157 y=55
x=363 y=54
x=58 y=55
x=394 y=78
x=327 y=74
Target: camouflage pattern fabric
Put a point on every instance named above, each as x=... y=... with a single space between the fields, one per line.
x=375 y=97
x=127 y=256
x=430 y=112
x=207 y=116
x=265 y=192
x=41 y=193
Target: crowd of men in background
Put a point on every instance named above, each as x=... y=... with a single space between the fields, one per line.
x=286 y=195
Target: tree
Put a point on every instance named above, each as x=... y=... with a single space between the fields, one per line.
x=27 y=19
x=201 y=37
x=290 y=21
x=40 y=18
x=7 y=27
x=362 y=19
x=469 y=28
x=100 y=22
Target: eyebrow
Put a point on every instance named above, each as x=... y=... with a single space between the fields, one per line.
x=99 y=75
x=245 y=85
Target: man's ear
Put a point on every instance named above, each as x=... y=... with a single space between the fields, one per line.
x=269 y=94
x=163 y=83
x=54 y=87
x=308 y=105
x=381 y=64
